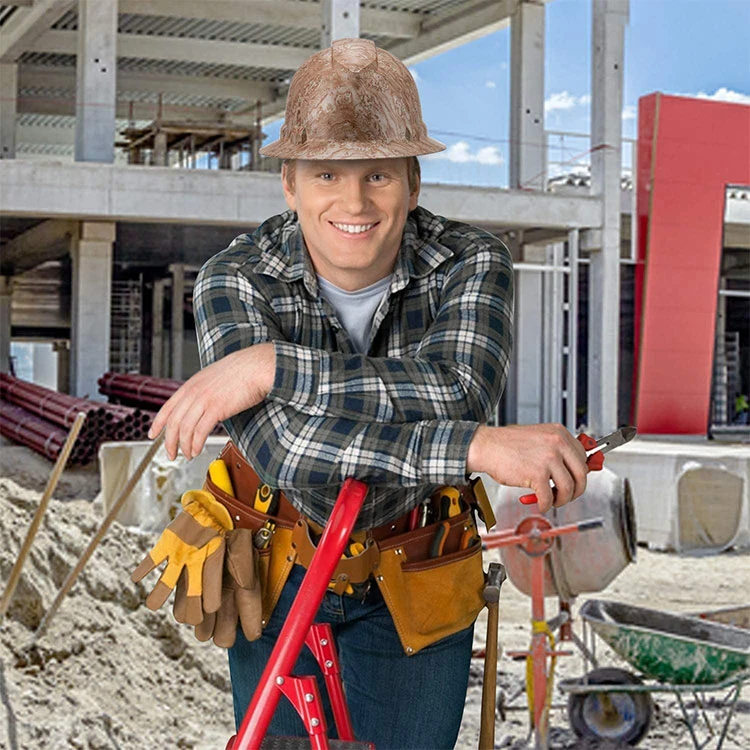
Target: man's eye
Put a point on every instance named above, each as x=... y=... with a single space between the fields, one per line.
x=326 y=176
x=378 y=177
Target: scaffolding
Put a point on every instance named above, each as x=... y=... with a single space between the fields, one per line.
x=126 y=326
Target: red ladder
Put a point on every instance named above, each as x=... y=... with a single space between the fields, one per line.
x=298 y=631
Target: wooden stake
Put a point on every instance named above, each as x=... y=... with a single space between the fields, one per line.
x=94 y=543
x=54 y=478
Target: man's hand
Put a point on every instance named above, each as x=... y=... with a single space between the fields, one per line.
x=529 y=456
x=225 y=388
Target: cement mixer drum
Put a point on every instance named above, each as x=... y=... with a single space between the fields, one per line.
x=578 y=563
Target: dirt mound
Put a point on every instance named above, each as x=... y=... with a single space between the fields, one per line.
x=108 y=673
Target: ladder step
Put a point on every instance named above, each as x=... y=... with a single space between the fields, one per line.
x=303 y=743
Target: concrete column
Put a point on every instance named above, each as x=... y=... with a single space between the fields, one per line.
x=571 y=384
x=96 y=67
x=608 y=39
x=157 y=328
x=553 y=335
x=91 y=288
x=528 y=351
x=6 y=293
x=178 y=315
x=8 y=107
x=340 y=21
x=62 y=347
x=159 y=158
x=527 y=162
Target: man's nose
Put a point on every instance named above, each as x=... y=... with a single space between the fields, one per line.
x=354 y=197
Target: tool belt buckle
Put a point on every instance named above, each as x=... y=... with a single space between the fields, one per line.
x=350 y=571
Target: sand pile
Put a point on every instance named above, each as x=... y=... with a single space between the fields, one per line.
x=109 y=673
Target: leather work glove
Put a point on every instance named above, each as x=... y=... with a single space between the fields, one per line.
x=240 y=597
x=193 y=544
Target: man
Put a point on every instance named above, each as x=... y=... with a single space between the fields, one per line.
x=360 y=335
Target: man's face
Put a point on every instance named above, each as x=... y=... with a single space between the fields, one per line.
x=352 y=214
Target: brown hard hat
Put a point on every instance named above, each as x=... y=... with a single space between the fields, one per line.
x=352 y=101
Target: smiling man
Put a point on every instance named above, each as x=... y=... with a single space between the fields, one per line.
x=358 y=334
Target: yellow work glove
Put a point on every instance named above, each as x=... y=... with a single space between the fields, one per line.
x=241 y=599
x=193 y=545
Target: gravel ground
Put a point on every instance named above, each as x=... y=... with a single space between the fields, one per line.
x=110 y=674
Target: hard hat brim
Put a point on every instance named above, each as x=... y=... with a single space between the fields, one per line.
x=352 y=149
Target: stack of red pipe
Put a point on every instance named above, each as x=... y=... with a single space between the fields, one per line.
x=39 y=415
x=42 y=436
x=142 y=391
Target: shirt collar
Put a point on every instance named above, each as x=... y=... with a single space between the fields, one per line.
x=285 y=257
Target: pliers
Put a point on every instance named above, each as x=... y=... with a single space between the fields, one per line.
x=595 y=450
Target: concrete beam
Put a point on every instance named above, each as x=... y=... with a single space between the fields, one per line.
x=135 y=193
x=26 y=25
x=471 y=21
x=140 y=110
x=496 y=208
x=213 y=197
x=399 y=24
x=181 y=49
x=737 y=211
x=31 y=76
x=45 y=241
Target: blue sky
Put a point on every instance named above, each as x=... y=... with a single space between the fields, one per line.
x=689 y=47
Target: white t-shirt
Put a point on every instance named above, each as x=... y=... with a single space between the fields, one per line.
x=355 y=310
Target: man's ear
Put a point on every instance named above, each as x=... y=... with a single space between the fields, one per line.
x=288 y=188
x=414 y=194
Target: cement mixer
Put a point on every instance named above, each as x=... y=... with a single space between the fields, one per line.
x=578 y=563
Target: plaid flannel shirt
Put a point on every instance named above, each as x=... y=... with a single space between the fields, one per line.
x=402 y=417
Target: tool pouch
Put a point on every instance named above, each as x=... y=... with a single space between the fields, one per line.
x=431 y=598
x=275 y=561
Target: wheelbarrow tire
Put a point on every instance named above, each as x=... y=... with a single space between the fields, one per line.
x=625 y=718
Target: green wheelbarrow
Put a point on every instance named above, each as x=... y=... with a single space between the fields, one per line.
x=679 y=654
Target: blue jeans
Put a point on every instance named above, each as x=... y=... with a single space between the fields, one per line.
x=395 y=701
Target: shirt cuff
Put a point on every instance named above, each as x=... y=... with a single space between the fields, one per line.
x=445 y=448
x=298 y=376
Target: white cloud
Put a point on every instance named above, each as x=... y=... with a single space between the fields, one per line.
x=461 y=153
x=563 y=101
x=415 y=75
x=489 y=155
x=629 y=112
x=725 y=95
x=490 y=84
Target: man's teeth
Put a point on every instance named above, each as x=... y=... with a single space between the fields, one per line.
x=353 y=228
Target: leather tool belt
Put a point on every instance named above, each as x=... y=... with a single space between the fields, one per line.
x=428 y=597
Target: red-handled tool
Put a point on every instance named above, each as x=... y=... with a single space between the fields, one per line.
x=595 y=450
